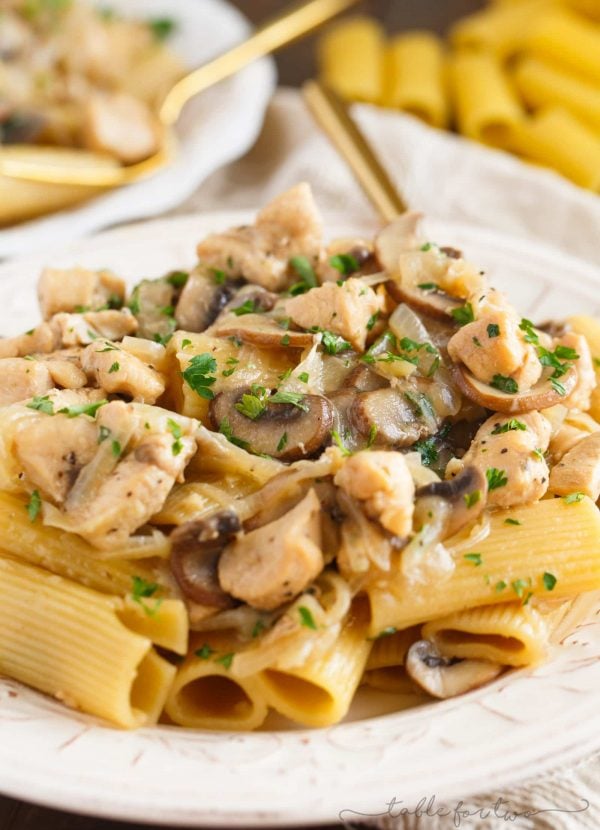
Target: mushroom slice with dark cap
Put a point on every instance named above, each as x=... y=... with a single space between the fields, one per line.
x=196 y=549
x=456 y=502
x=541 y=396
x=288 y=431
x=392 y=416
x=262 y=331
x=202 y=299
x=444 y=677
x=435 y=303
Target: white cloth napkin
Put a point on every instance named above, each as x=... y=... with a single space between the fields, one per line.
x=448 y=178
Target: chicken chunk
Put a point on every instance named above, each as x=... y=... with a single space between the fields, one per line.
x=71 y=288
x=120 y=125
x=494 y=345
x=510 y=451
x=52 y=451
x=66 y=373
x=580 y=397
x=343 y=309
x=119 y=372
x=579 y=470
x=81 y=329
x=40 y=340
x=269 y=566
x=21 y=379
x=289 y=226
x=383 y=483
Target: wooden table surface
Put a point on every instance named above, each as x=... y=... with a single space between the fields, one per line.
x=296 y=63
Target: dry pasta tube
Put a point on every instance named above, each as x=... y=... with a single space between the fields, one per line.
x=553 y=536
x=563 y=38
x=511 y=634
x=207 y=692
x=500 y=29
x=541 y=84
x=486 y=107
x=415 y=79
x=319 y=692
x=590 y=328
x=555 y=138
x=68 y=641
x=66 y=554
x=351 y=57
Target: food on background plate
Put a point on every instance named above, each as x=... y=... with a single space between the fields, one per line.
x=522 y=76
x=298 y=468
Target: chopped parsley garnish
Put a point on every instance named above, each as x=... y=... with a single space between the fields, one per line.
x=573 y=498
x=114 y=368
x=519 y=586
x=530 y=332
x=109 y=347
x=301 y=266
x=177 y=278
x=427 y=449
x=144 y=590
x=538 y=454
x=162 y=27
x=253 y=405
x=42 y=405
x=304 y=377
x=385 y=632
x=558 y=386
x=372 y=320
x=226 y=659
x=306 y=618
x=116 y=449
x=226 y=430
x=248 y=307
x=512 y=522
x=199 y=375
x=505 y=384
x=463 y=314
x=285 y=340
x=475 y=558
x=259 y=627
x=477 y=342
x=163 y=339
x=428 y=286
x=294 y=398
x=553 y=359
x=339 y=442
x=175 y=430
x=346 y=264
x=549 y=581
x=282 y=442
x=218 y=276
x=204 y=652
x=510 y=426
x=496 y=478
x=34 y=505
x=185 y=343
x=471 y=499
x=332 y=343
x=420 y=404
x=82 y=409
x=500 y=586
x=427 y=246
x=493 y=330
x=372 y=436
x=168 y=311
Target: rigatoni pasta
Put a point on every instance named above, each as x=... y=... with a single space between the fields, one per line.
x=415 y=77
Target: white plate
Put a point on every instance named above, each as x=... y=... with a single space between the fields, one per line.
x=216 y=128
x=525 y=722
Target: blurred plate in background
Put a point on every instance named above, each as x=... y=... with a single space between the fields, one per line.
x=217 y=127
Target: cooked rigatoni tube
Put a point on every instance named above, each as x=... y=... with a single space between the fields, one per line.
x=209 y=694
x=550 y=549
x=591 y=8
x=568 y=40
x=68 y=641
x=590 y=328
x=319 y=691
x=500 y=29
x=555 y=138
x=67 y=554
x=541 y=83
x=415 y=77
x=487 y=109
x=385 y=666
x=512 y=634
x=351 y=59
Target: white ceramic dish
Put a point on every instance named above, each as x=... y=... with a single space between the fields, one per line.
x=216 y=128
x=525 y=722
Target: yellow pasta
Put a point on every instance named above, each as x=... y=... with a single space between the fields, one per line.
x=486 y=107
x=555 y=138
x=68 y=641
x=390 y=650
x=511 y=634
x=541 y=84
x=352 y=59
x=209 y=694
x=501 y=29
x=553 y=537
x=590 y=328
x=164 y=621
x=564 y=38
x=197 y=499
x=66 y=554
x=394 y=680
x=415 y=77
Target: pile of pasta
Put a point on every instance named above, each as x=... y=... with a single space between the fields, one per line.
x=520 y=75
x=284 y=475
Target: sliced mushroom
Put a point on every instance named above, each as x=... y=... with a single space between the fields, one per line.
x=436 y=303
x=202 y=300
x=363 y=379
x=283 y=431
x=196 y=548
x=390 y=416
x=540 y=396
x=152 y=303
x=444 y=677
x=459 y=500
x=262 y=331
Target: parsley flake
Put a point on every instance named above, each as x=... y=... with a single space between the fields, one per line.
x=463 y=314
x=199 y=375
x=496 y=478
x=509 y=426
x=34 y=505
x=573 y=498
x=306 y=618
x=475 y=558
x=144 y=590
x=346 y=264
x=549 y=581
x=505 y=384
